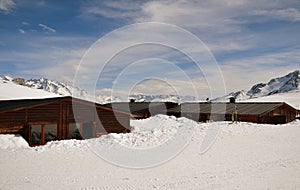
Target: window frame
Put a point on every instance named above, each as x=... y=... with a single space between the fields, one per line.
x=42 y=126
x=80 y=129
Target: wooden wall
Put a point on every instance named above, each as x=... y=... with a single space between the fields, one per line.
x=101 y=120
x=280 y=115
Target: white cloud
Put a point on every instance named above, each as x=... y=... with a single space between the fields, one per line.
x=51 y=57
x=59 y=64
x=163 y=86
x=21 y=31
x=125 y=9
x=289 y=14
x=244 y=72
x=7 y=5
x=222 y=25
x=25 y=23
x=47 y=28
x=140 y=43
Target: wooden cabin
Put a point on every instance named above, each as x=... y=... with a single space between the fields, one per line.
x=142 y=110
x=259 y=112
x=43 y=120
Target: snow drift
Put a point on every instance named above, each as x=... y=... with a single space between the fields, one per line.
x=12 y=142
x=244 y=156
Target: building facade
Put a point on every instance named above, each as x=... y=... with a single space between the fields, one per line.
x=43 y=120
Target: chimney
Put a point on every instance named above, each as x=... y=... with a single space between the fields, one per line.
x=232 y=100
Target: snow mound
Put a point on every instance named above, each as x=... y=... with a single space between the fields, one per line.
x=146 y=133
x=12 y=142
x=62 y=145
x=150 y=132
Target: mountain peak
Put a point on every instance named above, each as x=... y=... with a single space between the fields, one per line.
x=283 y=84
x=287 y=83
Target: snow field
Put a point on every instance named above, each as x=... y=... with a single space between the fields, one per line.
x=244 y=156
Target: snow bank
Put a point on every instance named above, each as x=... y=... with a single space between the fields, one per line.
x=161 y=135
x=146 y=133
x=12 y=142
x=61 y=145
x=149 y=132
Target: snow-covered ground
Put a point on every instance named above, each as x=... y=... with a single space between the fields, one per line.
x=244 y=156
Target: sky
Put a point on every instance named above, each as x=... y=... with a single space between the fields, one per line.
x=184 y=47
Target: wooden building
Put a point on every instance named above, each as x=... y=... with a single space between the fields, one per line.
x=43 y=120
x=260 y=112
x=142 y=110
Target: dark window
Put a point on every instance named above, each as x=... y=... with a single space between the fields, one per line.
x=43 y=133
x=74 y=131
x=88 y=130
x=36 y=134
x=50 y=132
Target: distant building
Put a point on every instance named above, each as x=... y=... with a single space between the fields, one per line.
x=259 y=112
x=141 y=110
x=43 y=120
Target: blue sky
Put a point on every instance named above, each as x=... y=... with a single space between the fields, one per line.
x=251 y=40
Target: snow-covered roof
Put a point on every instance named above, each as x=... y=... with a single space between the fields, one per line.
x=246 y=108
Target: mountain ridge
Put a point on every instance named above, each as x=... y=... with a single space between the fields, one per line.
x=287 y=83
x=278 y=85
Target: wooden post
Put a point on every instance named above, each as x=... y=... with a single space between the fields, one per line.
x=94 y=129
x=60 y=124
x=43 y=134
x=236 y=113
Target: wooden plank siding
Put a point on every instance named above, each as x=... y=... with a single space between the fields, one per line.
x=59 y=111
x=256 y=112
x=280 y=115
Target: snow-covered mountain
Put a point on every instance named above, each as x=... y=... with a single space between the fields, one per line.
x=239 y=95
x=54 y=88
x=9 y=89
x=287 y=83
x=68 y=90
x=162 y=98
x=43 y=84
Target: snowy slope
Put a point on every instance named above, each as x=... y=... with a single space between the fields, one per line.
x=11 y=90
x=238 y=95
x=287 y=83
x=244 y=156
x=19 y=88
x=280 y=85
